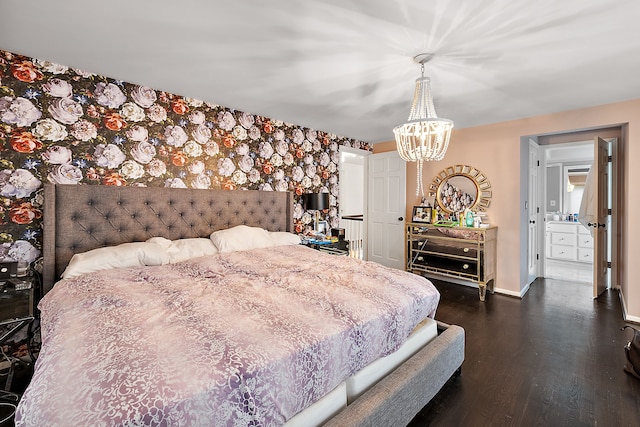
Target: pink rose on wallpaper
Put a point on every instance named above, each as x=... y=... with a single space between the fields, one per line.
x=297 y=174
x=137 y=133
x=253 y=176
x=226 y=166
x=179 y=106
x=254 y=133
x=18 y=183
x=144 y=96
x=21 y=250
x=282 y=148
x=317 y=146
x=281 y=185
x=83 y=73
x=267 y=126
x=201 y=134
x=226 y=120
x=18 y=111
x=109 y=95
x=308 y=159
x=278 y=135
x=276 y=160
x=156 y=168
x=108 y=156
x=239 y=177
x=245 y=163
x=310 y=170
x=211 y=148
x=52 y=67
x=196 y=167
x=50 y=130
x=197 y=117
x=114 y=121
x=84 y=130
x=65 y=174
x=58 y=88
x=178 y=158
x=278 y=174
x=239 y=133
x=201 y=181
x=65 y=110
x=324 y=159
x=297 y=136
x=131 y=170
x=243 y=149
x=25 y=71
x=24 y=213
x=175 y=136
x=175 y=183
x=229 y=141
x=265 y=187
x=24 y=142
x=312 y=135
x=143 y=152
x=114 y=179
x=157 y=113
x=132 y=112
x=288 y=159
x=265 y=150
x=246 y=120
x=306 y=182
x=57 y=155
x=192 y=149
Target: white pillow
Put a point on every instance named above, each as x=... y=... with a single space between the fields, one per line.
x=280 y=238
x=241 y=238
x=183 y=249
x=134 y=254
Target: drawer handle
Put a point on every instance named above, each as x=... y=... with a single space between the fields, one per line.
x=465 y=250
x=465 y=266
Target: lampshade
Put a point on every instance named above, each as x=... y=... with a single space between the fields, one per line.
x=424 y=136
x=316 y=201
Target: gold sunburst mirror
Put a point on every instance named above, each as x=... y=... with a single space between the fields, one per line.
x=459 y=187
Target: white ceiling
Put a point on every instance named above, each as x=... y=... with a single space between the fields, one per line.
x=346 y=66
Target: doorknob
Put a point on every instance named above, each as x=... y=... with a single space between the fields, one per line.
x=400 y=219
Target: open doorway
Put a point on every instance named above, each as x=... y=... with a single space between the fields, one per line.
x=568 y=245
x=562 y=242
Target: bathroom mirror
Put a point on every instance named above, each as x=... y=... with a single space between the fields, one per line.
x=459 y=187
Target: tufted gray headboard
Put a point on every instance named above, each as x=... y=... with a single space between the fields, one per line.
x=78 y=218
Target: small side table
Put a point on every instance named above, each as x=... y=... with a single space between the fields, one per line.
x=340 y=247
x=16 y=312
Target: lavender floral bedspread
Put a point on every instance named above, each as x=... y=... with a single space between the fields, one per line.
x=239 y=339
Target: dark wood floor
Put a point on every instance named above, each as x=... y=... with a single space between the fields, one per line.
x=553 y=358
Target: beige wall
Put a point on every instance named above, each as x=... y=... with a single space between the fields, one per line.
x=495 y=150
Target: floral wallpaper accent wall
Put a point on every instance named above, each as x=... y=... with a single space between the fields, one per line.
x=70 y=126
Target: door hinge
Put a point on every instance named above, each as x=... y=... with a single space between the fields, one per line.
x=610 y=159
x=608 y=264
x=538 y=210
x=538 y=163
x=537 y=257
x=609 y=212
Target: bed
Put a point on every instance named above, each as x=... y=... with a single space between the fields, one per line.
x=84 y=218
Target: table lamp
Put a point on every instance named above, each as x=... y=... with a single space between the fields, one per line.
x=316 y=202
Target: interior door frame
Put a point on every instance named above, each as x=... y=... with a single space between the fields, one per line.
x=613 y=134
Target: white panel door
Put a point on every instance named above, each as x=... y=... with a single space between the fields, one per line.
x=386 y=209
x=600 y=254
x=533 y=212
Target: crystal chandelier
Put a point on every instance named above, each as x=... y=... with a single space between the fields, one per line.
x=424 y=136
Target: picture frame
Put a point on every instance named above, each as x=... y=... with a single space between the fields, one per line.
x=323 y=227
x=421 y=214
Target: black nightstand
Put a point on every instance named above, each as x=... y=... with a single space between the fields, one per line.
x=17 y=309
x=340 y=247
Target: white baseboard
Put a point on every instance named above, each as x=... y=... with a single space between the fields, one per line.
x=475 y=285
x=625 y=315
